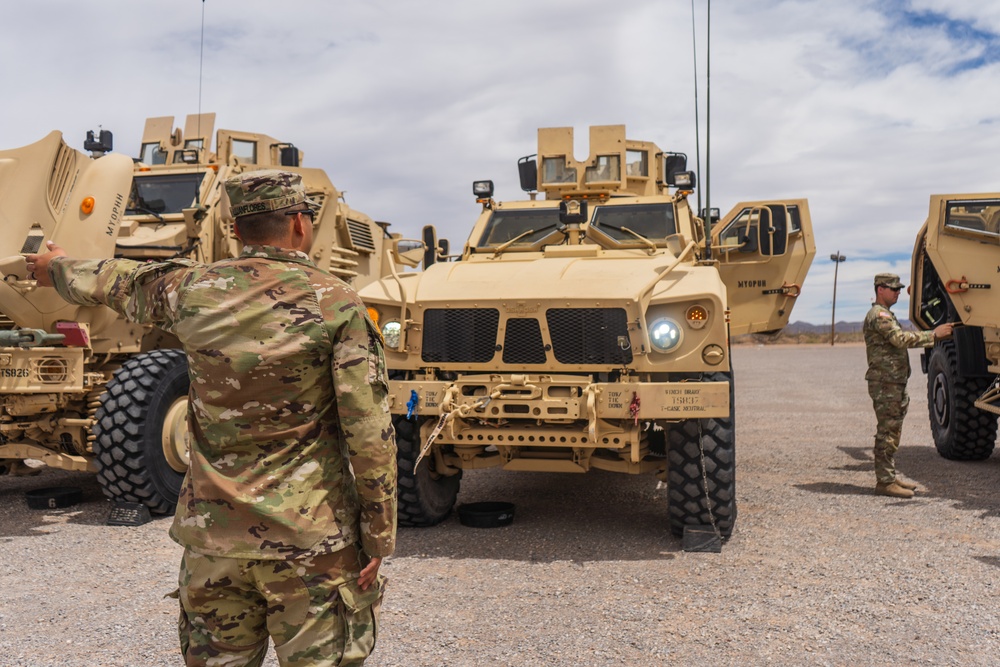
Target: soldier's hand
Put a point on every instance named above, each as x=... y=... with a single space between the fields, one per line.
x=38 y=265
x=943 y=331
x=369 y=573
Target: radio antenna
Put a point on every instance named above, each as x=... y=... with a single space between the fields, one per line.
x=201 y=63
x=697 y=130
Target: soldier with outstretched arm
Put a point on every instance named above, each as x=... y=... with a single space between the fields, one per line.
x=290 y=497
x=888 y=370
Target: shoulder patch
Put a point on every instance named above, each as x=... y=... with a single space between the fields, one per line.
x=884 y=314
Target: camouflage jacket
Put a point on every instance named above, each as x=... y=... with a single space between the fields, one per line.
x=886 y=344
x=292 y=448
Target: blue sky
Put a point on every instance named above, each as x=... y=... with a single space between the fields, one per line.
x=865 y=108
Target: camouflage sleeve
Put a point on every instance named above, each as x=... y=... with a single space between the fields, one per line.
x=889 y=329
x=141 y=292
x=360 y=382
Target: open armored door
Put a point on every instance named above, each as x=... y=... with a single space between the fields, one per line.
x=50 y=192
x=764 y=250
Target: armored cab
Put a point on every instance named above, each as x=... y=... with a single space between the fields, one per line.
x=586 y=327
x=954 y=275
x=81 y=388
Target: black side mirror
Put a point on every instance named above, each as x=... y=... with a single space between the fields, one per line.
x=443 y=248
x=527 y=170
x=289 y=156
x=430 y=245
x=673 y=164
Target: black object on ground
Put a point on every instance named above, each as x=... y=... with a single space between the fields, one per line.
x=486 y=514
x=128 y=514
x=54 y=497
x=701 y=538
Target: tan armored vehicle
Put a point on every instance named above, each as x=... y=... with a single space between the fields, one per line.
x=80 y=388
x=954 y=275
x=586 y=329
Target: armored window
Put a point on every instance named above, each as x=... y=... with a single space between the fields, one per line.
x=504 y=226
x=163 y=194
x=555 y=171
x=652 y=221
x=607 y=168
x=245 y=151
x=975 y=215
x=636 y=163
x=152 y=154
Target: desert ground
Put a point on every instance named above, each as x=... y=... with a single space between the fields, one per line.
x=819 y=571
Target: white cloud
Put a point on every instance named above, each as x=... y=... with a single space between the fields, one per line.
x=404 y=104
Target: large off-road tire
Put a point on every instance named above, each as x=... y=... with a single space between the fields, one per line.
x=141 y=431
x=962 y=432
x=702 y=452
x=425 y=498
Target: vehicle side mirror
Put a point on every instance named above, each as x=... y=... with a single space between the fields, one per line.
x=772 y=231
x=289 y=156
x=408 y=252
x=527 y=169
x=443 y=248
x=430 y=245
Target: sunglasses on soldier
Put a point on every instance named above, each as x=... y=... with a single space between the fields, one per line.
x=304 y=211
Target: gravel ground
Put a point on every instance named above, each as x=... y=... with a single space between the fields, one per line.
x=818 y=572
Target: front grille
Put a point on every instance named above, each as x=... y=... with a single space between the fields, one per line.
x=522 y=343
x=589 y=335
x=460 y=335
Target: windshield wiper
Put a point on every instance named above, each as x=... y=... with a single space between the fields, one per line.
x=499 y=249
x=650 y=244
x=143 y=209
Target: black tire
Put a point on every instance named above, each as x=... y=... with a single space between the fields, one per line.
x=425 y=498
x=129 y=448
x=687 y=477
x=962 y=432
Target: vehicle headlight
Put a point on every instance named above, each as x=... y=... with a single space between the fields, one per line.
x=390 y=332
x=665 y=334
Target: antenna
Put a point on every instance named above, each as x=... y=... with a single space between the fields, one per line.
x=201 y=62
x=708 y=122
x=697 y=131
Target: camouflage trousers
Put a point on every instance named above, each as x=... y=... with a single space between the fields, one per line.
x=312 y=608
x=890 y=402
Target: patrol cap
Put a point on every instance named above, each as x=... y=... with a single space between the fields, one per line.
x=888 y=280
x=265 y=190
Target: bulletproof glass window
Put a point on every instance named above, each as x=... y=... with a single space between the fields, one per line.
x=981 y=216
x=245 y=151
x=535 y=224
x=555 y=171
x=652 y=221
x=607 y=168
x=636 y=163
x=152 y=154
x=163 y=194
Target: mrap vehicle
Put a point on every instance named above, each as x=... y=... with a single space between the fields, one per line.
x=589 y=328
x=81 y=388
x=955 y=273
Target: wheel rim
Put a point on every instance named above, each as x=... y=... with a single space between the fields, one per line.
x=940 y=406
x=175 y=436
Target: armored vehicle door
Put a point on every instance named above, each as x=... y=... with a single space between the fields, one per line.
x=764 y=250
x=48 y=191
x=962 y=235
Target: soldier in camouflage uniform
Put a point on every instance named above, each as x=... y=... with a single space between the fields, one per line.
x=888 y=371
x=289 y=504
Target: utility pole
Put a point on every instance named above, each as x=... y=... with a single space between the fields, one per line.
x=837 y=258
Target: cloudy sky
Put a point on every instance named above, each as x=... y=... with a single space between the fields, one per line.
x=864 y=107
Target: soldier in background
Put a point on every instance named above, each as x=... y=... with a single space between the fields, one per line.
x=290 y=497
x=888 y=370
